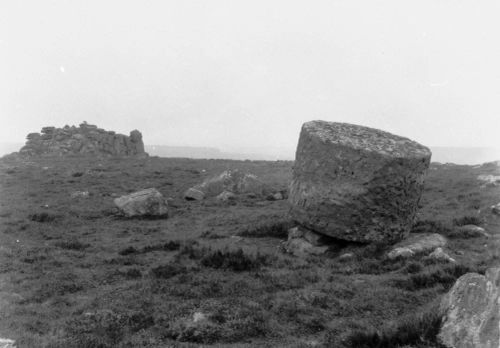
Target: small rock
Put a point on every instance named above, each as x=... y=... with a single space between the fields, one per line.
x=417 y=243
x=147 y=202
x=193 y=194
x=301 y=247
x=472 y=231
x=495 y=209
x=403 y=252
x=314 y=238
x=225 y=196
x=440 y=255
x=7 y=343
x=199 y=316
x=82 y=194
x=346 y=257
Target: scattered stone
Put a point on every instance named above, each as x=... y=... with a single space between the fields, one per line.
x=85 y=139
x=80 y=194
x=417 y=243
x=301 y=248
x=495 y=209
x=440 y=255
x=225 y=196
x=357 y=183
x=231 y=180
x=148 y=202
x=199 y=316
x=193 y=194
x=400 y=252
x=471 y=231
x=346 y=257
x=278 y=196
x=489 y=180
x=310 y=236
x=7 y=343
x=471 y=311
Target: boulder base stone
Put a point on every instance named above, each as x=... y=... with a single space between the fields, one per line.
x=356 y=183
x=472 y=312
x=148 y=202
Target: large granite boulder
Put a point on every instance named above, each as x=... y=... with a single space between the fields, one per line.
x=148 y=202
x=85 y=139
x=356 y=183
x=472 y=312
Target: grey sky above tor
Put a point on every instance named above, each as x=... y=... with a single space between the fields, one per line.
x=242 y=74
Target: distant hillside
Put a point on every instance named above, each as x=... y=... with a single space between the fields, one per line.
x=442 y=154
x=464 y=155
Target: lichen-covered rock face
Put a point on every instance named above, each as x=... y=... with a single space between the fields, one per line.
x=85 y=139
x=472 y=312
x=356 y=183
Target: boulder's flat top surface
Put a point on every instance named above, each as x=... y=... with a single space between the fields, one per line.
x=366 y=139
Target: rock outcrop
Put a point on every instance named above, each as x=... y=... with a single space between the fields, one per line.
x=356 y=183
x=472 y=312
x=85 y=139
x=148 y=203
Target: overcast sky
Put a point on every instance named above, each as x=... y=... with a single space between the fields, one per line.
x=236 y=74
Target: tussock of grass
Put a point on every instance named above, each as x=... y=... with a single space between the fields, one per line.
x=72 y=245
x=168 y=246
x=419 y=330
x=468 y=220
x=167 y=271
x=275 y=229
x=445 y=276
x=43 y=217
x=234 y=260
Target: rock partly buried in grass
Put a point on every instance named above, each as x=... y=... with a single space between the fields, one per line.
x=193 y=194
x=85 y=139
x=496 y=209
x=7 y=343
x=417 y=243
x=225 y=196
x=148 y=203
x=356 y=183
x=231 y=180
x=470 y=231
x=302 y=242
x=440 y=255
x=472 y=311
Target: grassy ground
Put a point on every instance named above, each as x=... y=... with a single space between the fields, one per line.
x=74 y=274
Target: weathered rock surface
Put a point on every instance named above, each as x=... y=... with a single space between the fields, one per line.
x=148 y=202
x=472 y=312
x=440 y=255
x=232 y=181
x=417 y=243
x=356 y=183
x=470 y=231
x=496 y=209
x=7 y=343
x=85 y=139
x=225 y=196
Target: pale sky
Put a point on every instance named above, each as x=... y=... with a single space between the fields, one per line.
x=239 y=74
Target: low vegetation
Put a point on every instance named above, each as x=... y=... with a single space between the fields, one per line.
x=73 y=274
